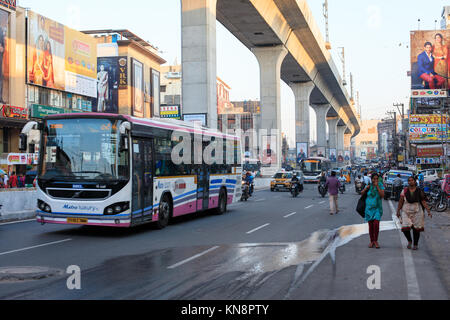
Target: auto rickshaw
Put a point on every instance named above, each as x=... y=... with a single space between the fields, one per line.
x=347 y=174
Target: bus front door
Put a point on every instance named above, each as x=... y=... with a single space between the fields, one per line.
x=202 y=187
x=142 y=192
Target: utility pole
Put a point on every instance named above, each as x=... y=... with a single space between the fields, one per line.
x=325 y=14
x=402 y=113
x=394 y=137
x=344 y=83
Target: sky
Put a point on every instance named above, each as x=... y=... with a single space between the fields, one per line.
x=374 y=33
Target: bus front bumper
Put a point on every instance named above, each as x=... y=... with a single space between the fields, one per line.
x=44 y=217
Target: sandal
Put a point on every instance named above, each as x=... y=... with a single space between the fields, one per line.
x=377 y=245
x=371 y=245
x=409 y=245
x=415 y=248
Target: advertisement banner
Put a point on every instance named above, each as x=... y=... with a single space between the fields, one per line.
x=433 y=150
x=4 y=57
x=13 y=112
x=155 y=93
x=17 y=158
x=196 y=118
x=10 y=4
x=428 y=127
x=172 y=111
x=108 y=77
x=430 y=63
x=302 y=151
x=333 y=155
x=138 y=88
x=59 y=57
x=321 y=151
x=347 y=155
x=428 y=160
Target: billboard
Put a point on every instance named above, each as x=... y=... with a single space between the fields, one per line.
x=430 y=150
x=333 y=155
x=430 y=63
x=60 y=58
x=302 y=151
x=138 y=88
x=109 y=76
x=4 y=56
x=172 y=111
x=428 y=127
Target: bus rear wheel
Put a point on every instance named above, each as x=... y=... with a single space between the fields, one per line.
x=164 y=213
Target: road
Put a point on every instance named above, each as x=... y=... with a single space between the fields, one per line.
x=271 y=247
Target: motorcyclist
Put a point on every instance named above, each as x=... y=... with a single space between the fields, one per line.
x=295 y=181
x=323 y=178
x=249 y=180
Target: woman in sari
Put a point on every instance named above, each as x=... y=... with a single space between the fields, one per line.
x=440 y=54
x=36 y=74
x=412 y=205
x=49 y=77
x=374 y=208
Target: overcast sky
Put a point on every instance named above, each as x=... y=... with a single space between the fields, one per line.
x=375 y=34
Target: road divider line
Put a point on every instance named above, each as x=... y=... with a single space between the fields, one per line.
x=192 y=258
x=256 y=229
x=309 y=206
x=291 y=214
x=259 y=200
x=33 y=247
x=321 y=202
x=412 y=284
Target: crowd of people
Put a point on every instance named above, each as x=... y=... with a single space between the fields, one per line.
x=12 y=181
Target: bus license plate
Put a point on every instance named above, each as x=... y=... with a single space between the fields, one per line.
x=77 y=220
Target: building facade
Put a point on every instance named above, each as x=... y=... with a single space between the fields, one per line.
x=366 y=142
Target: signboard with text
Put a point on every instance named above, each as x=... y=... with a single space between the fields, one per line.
x=13 y=112
x=10 y=4
x=428 y=127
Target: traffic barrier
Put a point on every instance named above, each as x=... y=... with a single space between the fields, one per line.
x=17 y=204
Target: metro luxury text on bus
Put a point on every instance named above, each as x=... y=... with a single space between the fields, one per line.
x=122 y=171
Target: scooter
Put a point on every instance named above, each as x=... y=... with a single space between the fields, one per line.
x=322 y=189
x=245 y=191
x=359 y=187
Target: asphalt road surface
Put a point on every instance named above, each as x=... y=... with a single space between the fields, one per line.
x=271 y=247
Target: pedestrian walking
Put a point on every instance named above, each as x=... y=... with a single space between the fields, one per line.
x=397 y=186
x=13 y=180
x=5 y=181
x=411 y=213
x=374 y=208
x=333 y=185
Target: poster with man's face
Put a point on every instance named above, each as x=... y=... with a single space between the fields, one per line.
x=302 y=151
x=138 y=89
x=430 y=63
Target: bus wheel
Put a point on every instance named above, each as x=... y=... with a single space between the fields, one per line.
x=164 y=213
x=222 y=208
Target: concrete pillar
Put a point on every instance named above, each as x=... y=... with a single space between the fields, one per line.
x=270 y=60
x=340 y=140
x=302 y=92
x=332 y=133
x=321 y=124
x=198 y=39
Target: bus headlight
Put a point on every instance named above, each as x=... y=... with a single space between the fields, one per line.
x=117 y=208
x=44 y=206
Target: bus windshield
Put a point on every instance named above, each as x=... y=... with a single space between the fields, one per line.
x=83 y=149
x=311 y=167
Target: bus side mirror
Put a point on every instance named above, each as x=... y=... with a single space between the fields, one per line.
x=23 y=142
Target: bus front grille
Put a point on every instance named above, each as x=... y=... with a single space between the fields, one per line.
x=86 y=194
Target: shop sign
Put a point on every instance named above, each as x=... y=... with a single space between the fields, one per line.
x=172 y=112
x=433 y=150
x=40 y=111
x=10 y=4
x=22 y=158
x=13 y=112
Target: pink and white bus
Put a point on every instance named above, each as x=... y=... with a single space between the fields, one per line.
x=122 y=171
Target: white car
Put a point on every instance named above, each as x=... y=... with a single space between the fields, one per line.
x=431 y=174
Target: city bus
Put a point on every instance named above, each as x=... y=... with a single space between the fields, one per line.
x=119 y=171
x=313 y=167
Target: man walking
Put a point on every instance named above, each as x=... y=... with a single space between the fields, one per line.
x=333 y=185
x=398 y=186
x=367 y=180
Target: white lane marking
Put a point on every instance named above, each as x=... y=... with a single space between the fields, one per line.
x=256 y=229
x=309 y=206
x=259 y=200
x=322 y=202
x=410 y=270
x=192 y=258
x=291 y=214
x=33 y=247
x=13 y=222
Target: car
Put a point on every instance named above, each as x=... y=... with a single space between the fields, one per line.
x=281 y=181
x=432 y=174
x=389 y=178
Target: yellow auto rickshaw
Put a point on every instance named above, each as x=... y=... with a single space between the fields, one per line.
x=347 y=174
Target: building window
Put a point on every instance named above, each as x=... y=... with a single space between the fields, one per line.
x=163 y=88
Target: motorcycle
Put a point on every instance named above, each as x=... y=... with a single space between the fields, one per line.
x=359 y=187
x=342 y=188
x=322 y=189
x=251 y=189
x=295 y=189
x=245 y=191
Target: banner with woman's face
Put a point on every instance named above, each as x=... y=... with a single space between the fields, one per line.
x=430 y=63
x=4 y=56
